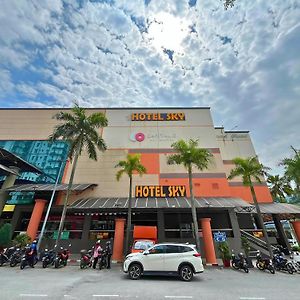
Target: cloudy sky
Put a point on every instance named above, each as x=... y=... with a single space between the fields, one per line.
x=243 y=62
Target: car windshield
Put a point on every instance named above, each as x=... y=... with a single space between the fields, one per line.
x=143 y=245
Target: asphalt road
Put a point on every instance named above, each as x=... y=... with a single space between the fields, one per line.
x=72 y=283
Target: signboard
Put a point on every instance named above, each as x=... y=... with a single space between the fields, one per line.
x=64 y=235
x=158 y=116
x=160 y=191
x=220 y=236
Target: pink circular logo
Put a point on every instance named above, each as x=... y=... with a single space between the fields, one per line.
x=139 y=137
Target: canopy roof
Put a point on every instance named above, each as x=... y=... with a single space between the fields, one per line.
x=279 y=208
x=9 y=159
x=105 y=203
x=48 y=187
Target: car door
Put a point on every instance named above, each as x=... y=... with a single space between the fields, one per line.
x=154 y=259
x=172 y=258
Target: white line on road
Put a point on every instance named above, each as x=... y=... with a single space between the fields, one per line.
x=179 y=297
x=33 y=295
x=251 y=298
x=106 y=295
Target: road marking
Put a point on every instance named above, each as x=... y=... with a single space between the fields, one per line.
x=180 y=297
x=33 y=295
x=251 y=298
x=106 y=295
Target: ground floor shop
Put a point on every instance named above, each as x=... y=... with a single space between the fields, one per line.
x=105 y=218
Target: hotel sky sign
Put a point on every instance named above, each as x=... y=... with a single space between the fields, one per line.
x=180 y=116
x=160 y=191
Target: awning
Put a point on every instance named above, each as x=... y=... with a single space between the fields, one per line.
x=48 y=187
x=145 y=203
x=9 y=159
x=6 y=171
x=279 y=208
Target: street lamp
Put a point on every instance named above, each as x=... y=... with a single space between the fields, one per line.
x=49 y=206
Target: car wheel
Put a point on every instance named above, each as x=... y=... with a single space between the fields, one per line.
x=186 y=273
x=135 y=271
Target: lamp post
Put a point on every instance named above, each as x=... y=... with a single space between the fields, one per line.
x=49 y=207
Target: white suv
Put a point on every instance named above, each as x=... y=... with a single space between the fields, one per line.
x=168 y=258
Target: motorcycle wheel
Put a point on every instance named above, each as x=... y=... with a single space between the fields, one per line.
x=56 y=263
x=13 y=263
x=1 y=262
x=45 y=264
x=234 y=265
x=271 y=269
x=259 y=266
x=290 y=268
x=246 y=270
x=82 y=265
x=65 y=262
x=22 y=265
x=35 y=261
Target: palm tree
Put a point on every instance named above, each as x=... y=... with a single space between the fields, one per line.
x=250 y=168
x=279 y=187
x=129 y=166
x=80 y=132
x=188 y=154
x=292 y=169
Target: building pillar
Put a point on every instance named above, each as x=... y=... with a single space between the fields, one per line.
x=236 y=230
x=281 y=234
x=35 y=218
x=86 y=229
x=8 y=182
x=118 y=240
x=296 y=226
x=161 y=226
x=208 y=242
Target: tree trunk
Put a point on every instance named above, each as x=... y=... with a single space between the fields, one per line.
x=194 y=213
x=64 y=212
x=260 y=219
x=128 y=227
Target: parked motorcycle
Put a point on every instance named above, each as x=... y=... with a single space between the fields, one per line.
x=86 y=259
x=16 y=257
x=61 y=258
x=295 y=260
x=48 y=257
x=264 y=263
x=102 y=259
x=239 y=262
x=29 y=258
x=282 y=264
x=6 y=254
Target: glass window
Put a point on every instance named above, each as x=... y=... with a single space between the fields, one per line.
x=172 y=249
x=157 y=249
x=185 y=249
x=143 y=245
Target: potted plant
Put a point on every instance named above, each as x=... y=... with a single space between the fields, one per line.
x=246 y=247
x=225 y=253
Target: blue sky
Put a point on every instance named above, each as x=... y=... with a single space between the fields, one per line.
x=244 y=62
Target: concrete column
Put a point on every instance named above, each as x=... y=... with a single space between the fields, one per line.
x=282 y=236
x=118 y=240
x=86 y=229
x=35 y=218
x=8 y=182
x=296 y=225
x=236 y=230
x=161 y=226
x=208 y=242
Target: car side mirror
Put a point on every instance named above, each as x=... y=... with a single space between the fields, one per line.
x=146 y=252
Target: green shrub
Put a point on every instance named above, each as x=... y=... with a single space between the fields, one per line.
x=224 y=250
x=296 y=248
x=5 y=235
x=22 y=239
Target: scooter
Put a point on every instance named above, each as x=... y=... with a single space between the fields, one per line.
x=6 y=254
x=86 y=259
x=62 y=257
x=16 y=257
x=282 y=264
x=264 y=263
x=48 y=258
x=239 y=262
x=102 y=259
x=29 y=258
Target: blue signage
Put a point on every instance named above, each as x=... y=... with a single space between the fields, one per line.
x=220 y=236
